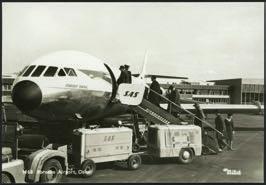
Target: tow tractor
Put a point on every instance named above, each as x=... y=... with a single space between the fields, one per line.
x=21 y=163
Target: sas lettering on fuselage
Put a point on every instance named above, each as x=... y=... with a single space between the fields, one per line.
x=131 y=94
x=76 y=86
x=71 y=85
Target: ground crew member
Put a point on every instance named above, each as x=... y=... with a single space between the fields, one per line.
x=229 y=127
x=122 y=77
x=220 y=126
x=153 y=97
x=128 y=74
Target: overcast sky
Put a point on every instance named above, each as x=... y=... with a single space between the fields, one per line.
x=202 y=41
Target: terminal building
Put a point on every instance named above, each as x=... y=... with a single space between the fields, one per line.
x=244 y=91
x=204 y=93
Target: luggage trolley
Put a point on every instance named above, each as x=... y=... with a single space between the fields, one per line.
x=91 y=146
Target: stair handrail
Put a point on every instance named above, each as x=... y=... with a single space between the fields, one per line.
x=190 y=113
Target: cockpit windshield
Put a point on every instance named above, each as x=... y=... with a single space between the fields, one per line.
x=21 y=72
x=38 y=71
x=61 y=73
x=29 y=70
x=50 y=71
x=70 y=72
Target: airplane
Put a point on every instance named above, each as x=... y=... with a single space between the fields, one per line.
x=73 y=85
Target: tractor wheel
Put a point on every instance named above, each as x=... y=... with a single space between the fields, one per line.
x=6 y=179
x=52 y=171
x=186 y=155
x=134 y=162
x=88 y=168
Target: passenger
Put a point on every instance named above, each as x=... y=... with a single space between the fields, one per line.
x=199 y=114
x=220 y=126
x=153 y=97
x=128 y=74
x=173 y=96
x=122 y=77
x=229 y=126
x=169 y=96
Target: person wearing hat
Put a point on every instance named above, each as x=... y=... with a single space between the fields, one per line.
x=128 y=74
x=153 y=97
x=174 y=96
x=199 y=114
x=229 y=127
x=122 y=77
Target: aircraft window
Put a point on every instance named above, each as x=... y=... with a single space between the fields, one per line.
x=50 y=71
x=61 y=73
x=70 y=72
x=21 y=72
x=38 y=71
x=29 y=70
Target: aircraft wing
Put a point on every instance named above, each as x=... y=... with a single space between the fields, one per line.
x=225 y=108
x=161 y=76
x=222 y=108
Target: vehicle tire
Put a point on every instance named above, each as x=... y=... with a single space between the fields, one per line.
x=186 y=155
x=88 y=168
x=53 y=166
x=6 y=179
x=134 y=162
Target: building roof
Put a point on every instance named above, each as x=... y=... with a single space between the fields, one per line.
x=244 y=80
x=252 y=81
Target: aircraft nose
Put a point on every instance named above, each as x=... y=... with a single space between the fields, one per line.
x=26 y=95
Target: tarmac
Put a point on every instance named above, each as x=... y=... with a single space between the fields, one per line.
x=244 y=164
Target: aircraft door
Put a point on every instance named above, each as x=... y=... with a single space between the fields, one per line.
x=114 y=84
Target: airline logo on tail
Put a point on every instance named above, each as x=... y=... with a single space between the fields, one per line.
x=131 y=94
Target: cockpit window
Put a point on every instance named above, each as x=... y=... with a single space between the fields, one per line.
x=38 y=71
x=50 y=71
x=70 y=72
x=29 y=70
x=61 y=73
x=21 y=72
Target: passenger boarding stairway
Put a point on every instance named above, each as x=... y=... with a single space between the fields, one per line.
x=156 y=114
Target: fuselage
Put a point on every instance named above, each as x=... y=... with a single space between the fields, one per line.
x=68 y=85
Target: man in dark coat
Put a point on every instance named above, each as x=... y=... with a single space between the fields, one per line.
x=200 y=114
x=153 y=97
x=122 y=77
x=128 y=74
x=174 y=96
x=229 y=127
x=220 y=126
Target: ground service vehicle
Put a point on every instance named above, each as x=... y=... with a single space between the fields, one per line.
x=12 y=167
x=182 y=141
x=91 y=146
x=24 y=162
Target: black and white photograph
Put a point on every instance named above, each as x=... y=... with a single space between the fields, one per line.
x=132 y=92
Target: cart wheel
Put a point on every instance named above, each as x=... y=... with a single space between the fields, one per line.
x=6 y=179
x=186 y=155
x=53 y=171
x=134 y=162
x=88 y=168
x=135 y=147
